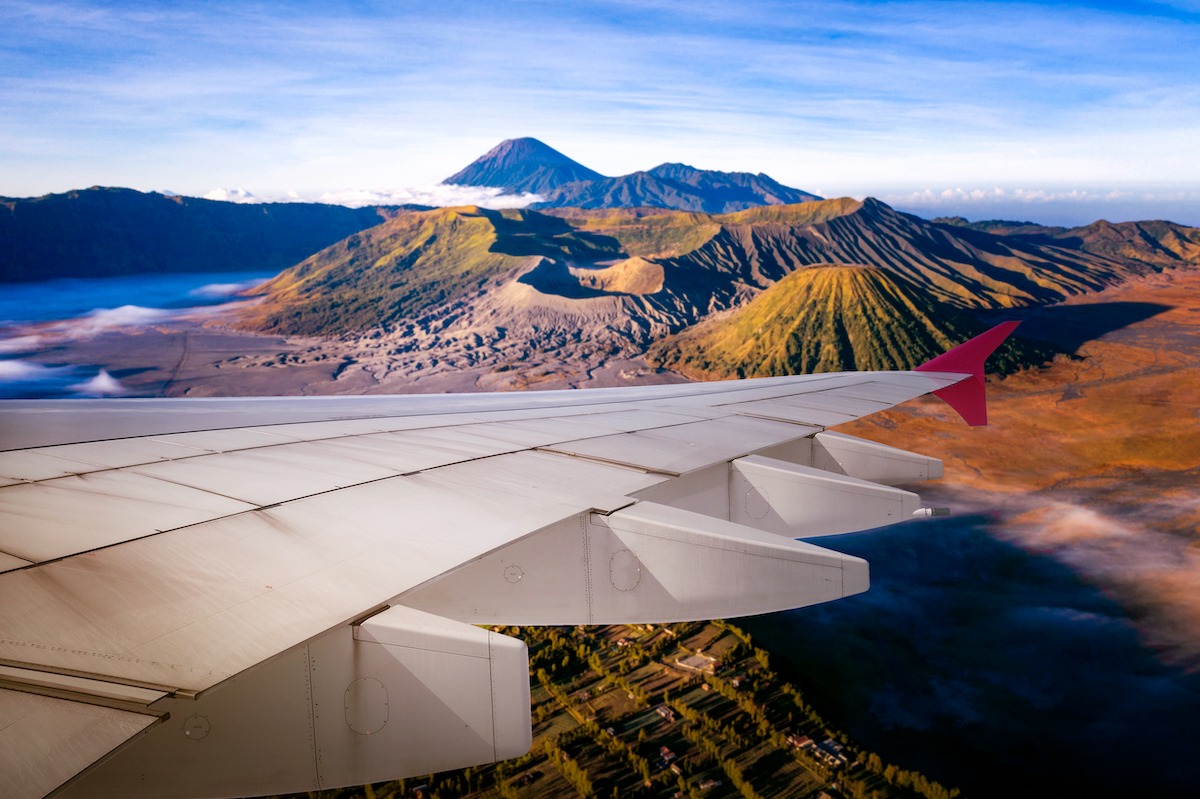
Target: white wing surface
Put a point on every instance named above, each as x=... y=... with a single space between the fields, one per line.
x=230 y=597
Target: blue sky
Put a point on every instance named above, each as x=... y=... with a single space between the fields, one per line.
x=1059 y=112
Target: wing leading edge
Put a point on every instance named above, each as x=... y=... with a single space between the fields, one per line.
x=305 y=572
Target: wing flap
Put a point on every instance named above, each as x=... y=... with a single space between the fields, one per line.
x=45 y=741
x=645 y=563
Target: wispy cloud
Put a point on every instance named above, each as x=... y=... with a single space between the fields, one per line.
x=25 y=342
x=217 y=291
x=126 y=316
x=21 y=378
x=16 y=370
x=437 y=195
x=334 y=94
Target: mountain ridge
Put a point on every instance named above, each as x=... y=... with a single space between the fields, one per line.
x=679 y=187
x=105 y=231
x=529 y=165
x=467 y=287
x=1155 y=241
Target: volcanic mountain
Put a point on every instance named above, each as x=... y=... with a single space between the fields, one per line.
x=523 y=165
x=821 y=319
x=528 y=165
x=471 y=286
x=102 y=232
x=759 y=246
x=677 y=186
x=410 y=266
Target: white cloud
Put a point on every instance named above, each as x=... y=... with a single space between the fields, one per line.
x=439 y=195
x=103 y=319
x=102 y=385
x=958 y=196
x=218 y=290
x=20 y=343
x=15 y=370
x=231 y=196
x=1134 y=557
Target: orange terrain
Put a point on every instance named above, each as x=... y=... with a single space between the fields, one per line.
x=1094 y=458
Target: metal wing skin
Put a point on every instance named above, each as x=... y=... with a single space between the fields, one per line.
x=236 y=597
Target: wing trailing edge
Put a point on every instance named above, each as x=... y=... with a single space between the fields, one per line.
x=969 y=397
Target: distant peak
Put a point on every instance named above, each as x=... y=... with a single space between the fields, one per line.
x=528 y=147
x=523 y=165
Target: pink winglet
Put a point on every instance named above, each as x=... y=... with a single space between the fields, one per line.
x=967 y=397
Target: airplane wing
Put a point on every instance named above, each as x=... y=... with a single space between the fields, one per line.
x=230 y=597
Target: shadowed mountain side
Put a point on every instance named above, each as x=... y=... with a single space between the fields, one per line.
x=1069 y=327
x=523 y=165
x=676 y=186
x=631 y=276
x=1155 y=242
x=733 y=188
x=104 y=232
x=825 y=319
x=971 y=270
x=627 y=304
x=758 y=246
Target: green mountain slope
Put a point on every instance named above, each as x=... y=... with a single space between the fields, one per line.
x=820 y=319
x=409 y=265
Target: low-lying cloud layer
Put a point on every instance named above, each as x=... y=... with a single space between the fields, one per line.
x=103 y=319
x=995 y=657
x=1049 y=206
x=23 y=378
x=1154 y=572
x=219 y=291
x=438 y=195
x=28 y=335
